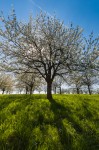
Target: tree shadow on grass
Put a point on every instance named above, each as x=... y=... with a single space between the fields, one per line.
x=89 y=139
x=21 y=137
x=61 y=113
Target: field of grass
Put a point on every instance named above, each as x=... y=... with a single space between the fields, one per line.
x=69 y=122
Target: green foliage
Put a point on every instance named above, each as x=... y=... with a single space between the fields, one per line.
x=68 y=122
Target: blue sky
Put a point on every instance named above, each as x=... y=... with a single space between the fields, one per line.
x=84 y=13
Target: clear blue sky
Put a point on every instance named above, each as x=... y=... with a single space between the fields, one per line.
x=84 y=13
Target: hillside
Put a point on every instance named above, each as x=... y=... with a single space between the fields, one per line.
x=69 y=122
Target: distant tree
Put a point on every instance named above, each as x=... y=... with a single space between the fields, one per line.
x=57 y=84
x=39 y=89
x=67 y=91
x=90 y=62
x=28 y=81
x=97 y=90
x=42 y=86
x=75 y=81
x=19 y=86
x=44 y=44
x=87 y=75
x=6 y=83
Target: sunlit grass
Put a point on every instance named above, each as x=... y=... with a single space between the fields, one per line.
x=69 y=122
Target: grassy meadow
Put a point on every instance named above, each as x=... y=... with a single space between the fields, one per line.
x=69 y=122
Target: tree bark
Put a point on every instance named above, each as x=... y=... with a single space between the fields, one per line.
x=55 y=90
x=49 y=90
x=77 y=90
x=30 y=91
x=89 y=90
x=26 y=90
x=60 y=90
x=3 y=90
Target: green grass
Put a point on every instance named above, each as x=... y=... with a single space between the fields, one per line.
x=69 y=122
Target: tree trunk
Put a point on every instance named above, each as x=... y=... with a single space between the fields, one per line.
x=3 y=90
x=55 y=90
x=31 y=90
x=77 y=90
x=26 y=90
x=49 y=90
x=60 y=90
x=89 y=90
